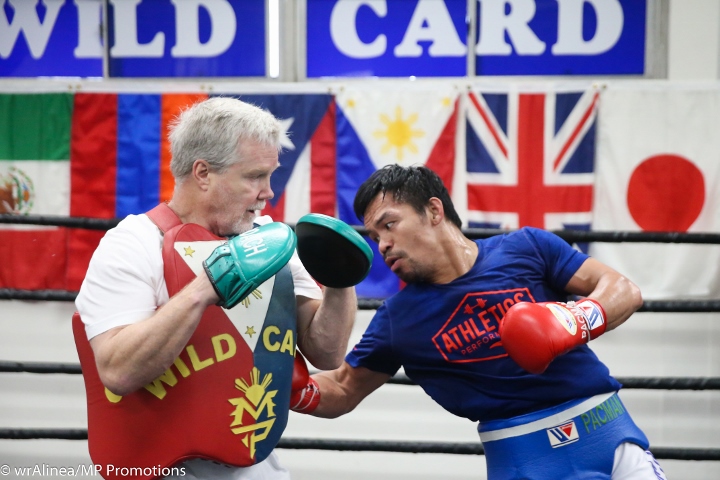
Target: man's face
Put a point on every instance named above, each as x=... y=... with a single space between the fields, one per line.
x=404 y=238
x=238 y=193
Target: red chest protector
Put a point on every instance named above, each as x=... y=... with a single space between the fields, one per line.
x=227 y=394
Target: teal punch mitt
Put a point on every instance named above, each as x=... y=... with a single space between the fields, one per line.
x=246 y=261
x=332 y=251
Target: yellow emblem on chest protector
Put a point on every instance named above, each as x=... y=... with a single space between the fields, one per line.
x=255 y=293
x=257 y=399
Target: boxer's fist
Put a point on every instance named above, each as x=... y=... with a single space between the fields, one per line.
x=248 y=260
x=304 y=392
x=533 y=334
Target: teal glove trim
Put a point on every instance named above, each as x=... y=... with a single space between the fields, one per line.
x=248 y=260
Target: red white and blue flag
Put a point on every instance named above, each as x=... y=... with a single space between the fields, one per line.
x=530 y=159
x=305 y=181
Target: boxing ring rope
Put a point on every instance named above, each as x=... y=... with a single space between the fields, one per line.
x=657 y=306
x=392 y=446
x=573 y=236
x=458 y=448
x=647 y=383
x=462 y=448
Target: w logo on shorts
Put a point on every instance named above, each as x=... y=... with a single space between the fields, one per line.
x=562 y=435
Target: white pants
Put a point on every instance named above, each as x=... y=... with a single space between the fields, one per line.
x=633 y=463
x=198 y=469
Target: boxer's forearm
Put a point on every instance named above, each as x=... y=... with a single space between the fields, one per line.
x=343 y=389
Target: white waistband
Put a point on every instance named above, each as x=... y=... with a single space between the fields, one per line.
x=547 y=422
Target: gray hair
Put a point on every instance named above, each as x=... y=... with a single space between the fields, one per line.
x=213 y=129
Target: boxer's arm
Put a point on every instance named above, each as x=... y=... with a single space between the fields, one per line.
x=339 y=391
x=534 y=334
x=618 y=296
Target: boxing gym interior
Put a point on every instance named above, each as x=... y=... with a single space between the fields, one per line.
x=614 y=103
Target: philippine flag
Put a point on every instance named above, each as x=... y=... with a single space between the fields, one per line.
x=378 y=127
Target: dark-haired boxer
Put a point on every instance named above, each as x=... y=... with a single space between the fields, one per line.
x=486 y=329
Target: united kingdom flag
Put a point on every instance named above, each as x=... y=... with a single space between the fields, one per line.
x=530 y=159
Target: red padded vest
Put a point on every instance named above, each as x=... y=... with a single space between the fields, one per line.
x=226 y=396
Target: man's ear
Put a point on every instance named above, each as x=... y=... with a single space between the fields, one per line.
x=200 y=173
x=436 y=212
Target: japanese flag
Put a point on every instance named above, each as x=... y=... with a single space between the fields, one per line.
x=658 y=169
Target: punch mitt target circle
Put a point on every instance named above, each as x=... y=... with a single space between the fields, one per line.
x=332 y=251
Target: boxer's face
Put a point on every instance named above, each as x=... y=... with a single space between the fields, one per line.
x=243 y=189
x=404 y=238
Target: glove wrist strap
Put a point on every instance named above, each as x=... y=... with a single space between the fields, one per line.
x=309 y=400
x=595 y=316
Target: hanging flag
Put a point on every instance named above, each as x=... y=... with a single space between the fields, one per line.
x=120 y=153
x=530 y=159
x=116 y=160
x=100 y=155
x=34 y=180
x=120 y=162
x=305 y=181
x=382 y=126
x=659 y=163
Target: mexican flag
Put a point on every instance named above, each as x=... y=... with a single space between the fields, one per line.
x=99 y=155
x=34 y=179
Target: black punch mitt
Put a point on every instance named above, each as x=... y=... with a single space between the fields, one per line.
x=332 y=251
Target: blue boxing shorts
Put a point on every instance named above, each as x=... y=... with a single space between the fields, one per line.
x=575 y=440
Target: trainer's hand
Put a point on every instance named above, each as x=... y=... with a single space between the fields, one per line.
x=246 y=261
x=305 y=394
x=533 y=334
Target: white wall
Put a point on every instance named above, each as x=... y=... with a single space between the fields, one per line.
x=694 y=40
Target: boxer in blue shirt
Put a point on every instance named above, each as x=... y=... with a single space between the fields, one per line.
x=486 y=329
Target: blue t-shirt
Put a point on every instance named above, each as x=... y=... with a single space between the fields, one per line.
x=446 y=336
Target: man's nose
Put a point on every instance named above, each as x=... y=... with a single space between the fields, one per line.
x=383 y=246
x=266 y=193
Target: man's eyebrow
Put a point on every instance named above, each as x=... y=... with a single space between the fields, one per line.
x=261 y=170
x=381 y=218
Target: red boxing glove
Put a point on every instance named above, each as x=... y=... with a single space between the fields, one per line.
x=304 y=392
x=533 y=334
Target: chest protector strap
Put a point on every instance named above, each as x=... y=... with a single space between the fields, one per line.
x=225 y=397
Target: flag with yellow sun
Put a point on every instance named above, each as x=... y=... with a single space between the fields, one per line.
x=378 y=127
x=408 y=125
